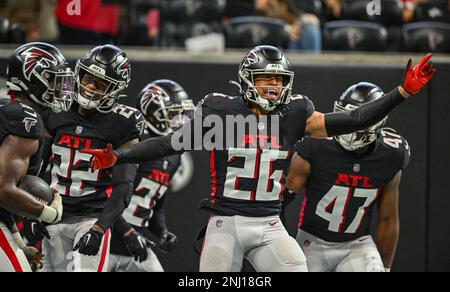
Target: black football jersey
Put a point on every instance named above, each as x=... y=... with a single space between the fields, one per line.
x=20 y=120
x=152 y=183
x=248 y=177
x=85 y=192
x=342 y=188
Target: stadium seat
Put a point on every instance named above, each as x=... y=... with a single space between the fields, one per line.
x=357 y=10
x=426 y=37
x=248 y=32
x=184 y=19
x=355 y=36
x=16 y=34
x=11 y=33
x=433 y=10
x=4 y=30
x=390 y=12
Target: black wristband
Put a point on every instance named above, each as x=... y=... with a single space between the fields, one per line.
x=341 y=123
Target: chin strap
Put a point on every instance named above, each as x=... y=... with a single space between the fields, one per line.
x=238 y=86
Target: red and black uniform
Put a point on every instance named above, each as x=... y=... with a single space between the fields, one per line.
x=343 y=188
x=145 y=212
x=85 y=193
x=248 y=177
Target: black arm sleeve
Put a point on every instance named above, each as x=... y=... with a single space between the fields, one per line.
x=157 y=224
x=341 y=123
x=160 y=147
x=147 y=150
x=121 y=226
x=123 y=184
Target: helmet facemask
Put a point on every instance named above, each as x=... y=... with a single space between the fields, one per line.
x=59 y=89
x=105 y=98
x=248 y=78
x=168 y=117
x=360 y=139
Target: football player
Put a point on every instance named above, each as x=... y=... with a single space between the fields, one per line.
x=92 y=201
x=345 y=178
x=38 y=77
x=166 y=106
x=248 y=173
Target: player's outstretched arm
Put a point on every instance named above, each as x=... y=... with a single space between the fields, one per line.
x=334 y=124
x=388 y=227
x=15 y=153
x=147 y=150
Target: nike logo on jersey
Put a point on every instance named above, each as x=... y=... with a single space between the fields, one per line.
x=274 y=223
x=33 y=114
x=88 y=238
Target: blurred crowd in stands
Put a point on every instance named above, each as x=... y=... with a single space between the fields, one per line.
x=299 y=25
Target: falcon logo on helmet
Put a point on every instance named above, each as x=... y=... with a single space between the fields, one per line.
x=34 y=58
x=124 y=70
x=250 y=59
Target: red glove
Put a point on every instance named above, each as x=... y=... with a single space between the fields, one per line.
x=416 y=78
x=102 y=158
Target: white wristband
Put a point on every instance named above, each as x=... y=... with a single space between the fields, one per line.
x=19 y=240
x=387 y=270
x=49 y=215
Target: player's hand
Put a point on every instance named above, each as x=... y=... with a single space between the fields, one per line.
x=168 y=241
x=90 y=243
x=101 y=158
x=34 y=257
x=52 y=214
x=418 y=77
x=138 y=246
x=34 y=230
x=58 y=205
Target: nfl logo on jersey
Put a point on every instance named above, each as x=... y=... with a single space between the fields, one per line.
x=357 y=167
x=79 y=130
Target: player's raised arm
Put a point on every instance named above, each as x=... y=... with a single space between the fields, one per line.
x=334 y=124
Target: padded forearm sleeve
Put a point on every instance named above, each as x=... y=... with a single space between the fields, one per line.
x=341 y=123
x=147 y=150
x=123 y=184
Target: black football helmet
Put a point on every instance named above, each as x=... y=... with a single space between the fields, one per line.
x=265 y=60
x=41 y=73
x=165 y=105
x=109 y=66
x=354 y=97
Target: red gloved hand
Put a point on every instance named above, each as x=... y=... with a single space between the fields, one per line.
x=102 y=158
x=416 y=78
